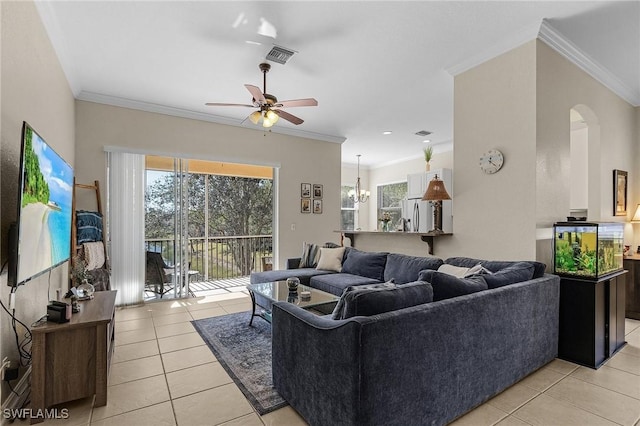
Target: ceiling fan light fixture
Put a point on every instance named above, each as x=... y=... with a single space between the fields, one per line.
x=272 y=116
x=255 y=117
x=266 y=122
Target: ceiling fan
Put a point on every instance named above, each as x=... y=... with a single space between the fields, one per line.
x=268 y=105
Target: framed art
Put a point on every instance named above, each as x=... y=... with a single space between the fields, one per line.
x=305 y=190
x=305 y=205
x=620 y=193
x=317 y=191
x=317 y=206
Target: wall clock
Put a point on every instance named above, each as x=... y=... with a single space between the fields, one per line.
x=491 y=161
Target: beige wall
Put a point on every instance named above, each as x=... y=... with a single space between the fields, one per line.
x=613 y=144
x=34 y=89
x=298 y=159
x=494 y=107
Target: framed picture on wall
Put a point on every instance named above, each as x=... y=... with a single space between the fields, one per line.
x=317 y=206
x=619 y=193
x=305 y=205
x=305 y=190
x=317 y=191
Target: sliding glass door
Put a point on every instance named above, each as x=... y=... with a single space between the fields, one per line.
x=212 y=224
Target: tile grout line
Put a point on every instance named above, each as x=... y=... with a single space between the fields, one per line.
x=606 y=388
x=574 y=406
x=166 y=381
x=580 y=408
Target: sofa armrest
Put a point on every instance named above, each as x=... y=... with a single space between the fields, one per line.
x=293 y=263
x=315 y=363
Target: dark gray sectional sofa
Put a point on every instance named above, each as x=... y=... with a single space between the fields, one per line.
x=358 y=268
x=422 y=365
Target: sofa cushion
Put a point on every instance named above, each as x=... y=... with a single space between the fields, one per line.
x=304 y=274
x=516 y=273
x=495 y=265
x=405 y=269
x=363 y=301
x=336 y=283
x=331 y=259
x=366 y=264
x=446 y=286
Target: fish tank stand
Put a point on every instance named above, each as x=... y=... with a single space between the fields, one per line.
x=592 y=316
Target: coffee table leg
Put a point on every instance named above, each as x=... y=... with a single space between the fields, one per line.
x=253 y=306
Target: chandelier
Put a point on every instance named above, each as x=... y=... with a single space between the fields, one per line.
x=359 y=195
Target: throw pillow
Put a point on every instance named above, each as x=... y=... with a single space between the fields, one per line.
x=373 y=301
x=456 y=271
x=477 y=270
x=365 y=264
x=516 y=273
x=310 y=255
x=338 y=310
x=330 y=259
x=446 y=286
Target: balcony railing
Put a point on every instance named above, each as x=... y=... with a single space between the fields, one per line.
x=218 y=258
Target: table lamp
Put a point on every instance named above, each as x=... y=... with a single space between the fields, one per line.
x=436 y=192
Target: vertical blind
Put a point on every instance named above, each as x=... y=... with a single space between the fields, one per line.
x=126 y=226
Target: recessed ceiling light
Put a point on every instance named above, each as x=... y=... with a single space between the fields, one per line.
x=387 y=132
x=426 y=141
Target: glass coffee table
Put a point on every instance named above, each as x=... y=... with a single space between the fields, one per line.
x=263 y=295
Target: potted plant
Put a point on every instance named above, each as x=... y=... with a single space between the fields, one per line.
x=428 y=154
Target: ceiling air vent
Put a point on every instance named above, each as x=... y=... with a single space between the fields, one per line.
x=280 y=54
x=423 y=133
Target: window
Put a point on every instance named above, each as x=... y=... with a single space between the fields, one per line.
x=390 y=198
x=347 y=209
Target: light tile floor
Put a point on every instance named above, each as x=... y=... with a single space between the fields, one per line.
x=164 y=374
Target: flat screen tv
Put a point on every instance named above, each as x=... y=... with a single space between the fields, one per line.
x=44 y=209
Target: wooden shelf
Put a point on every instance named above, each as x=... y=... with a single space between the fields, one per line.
x=427 y=237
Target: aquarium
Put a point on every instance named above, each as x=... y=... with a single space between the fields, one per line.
x=587 y=249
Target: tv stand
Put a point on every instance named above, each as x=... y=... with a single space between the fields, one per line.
x=71 y=360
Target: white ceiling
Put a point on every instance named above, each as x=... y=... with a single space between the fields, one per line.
x=372 y=66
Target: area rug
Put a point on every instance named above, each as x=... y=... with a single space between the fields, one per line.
x=245 y=353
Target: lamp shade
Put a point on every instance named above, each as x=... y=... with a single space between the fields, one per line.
x=636 y=216
x=436 y=191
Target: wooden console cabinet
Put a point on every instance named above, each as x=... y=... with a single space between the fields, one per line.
x=71 y=360
x=591 y=319
x=632 y=264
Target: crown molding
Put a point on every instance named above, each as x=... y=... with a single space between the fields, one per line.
x=526 y=34
x=52 y=28
x=561 y=44
x=201 y=116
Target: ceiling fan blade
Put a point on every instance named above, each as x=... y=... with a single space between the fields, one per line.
x=297 y=103
x=289 y=117
x=221 y=104
x=256 y=93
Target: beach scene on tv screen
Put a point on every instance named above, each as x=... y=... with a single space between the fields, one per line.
x=45 y=216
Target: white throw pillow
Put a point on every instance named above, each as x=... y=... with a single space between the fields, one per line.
x=331 y=259
x=456 y=271
x=478 y=269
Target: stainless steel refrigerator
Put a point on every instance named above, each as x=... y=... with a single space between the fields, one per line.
x=417 y=215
